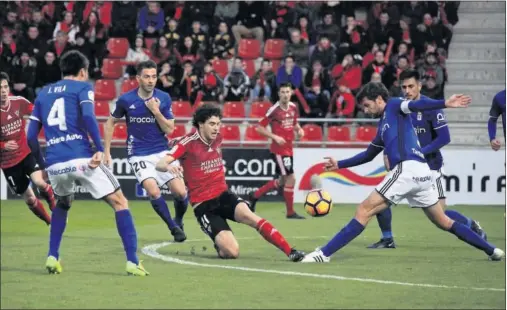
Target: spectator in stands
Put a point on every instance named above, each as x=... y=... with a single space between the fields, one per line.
x=370 y=55
x=11 y=24
x=305 y=30
x=44 y=28
x=174 y=10
x=431 y=88
x=32 y=43
x=318 y=103
x=414 y=10
x=308 y=10
x=212 y=85
x=53 y=10
x=61 y=44
x=124 y=16
x=199 y=37
x=274 y=31
x=85 y=47
x=47 y=72
x=342 y=103
x=151 y=20
x=190 y=83
x=402 y=52
x=249 y=21
x=432 y=30
x=7 y=52
x=189 y=50
x=318 y=75
x=282 y=16
x=354 y=37
x=23 y=76
x=378 y=8
x=136 y=53
x=172 y=33
x=161 y=52
x=432 y=68
x=330 y=30
x=262 y=82
x=402 y=64
x=201 y=11
x=348 y=74
x=226 y=11
x=289 y=72
x=95 y=33
x=405 y=34
x=376 y=78
x=381 y=31
x=237 y=82
x=68 y=26
x=379 y=66
x=169 y=79
x=102 y=9
x=298 y=48
x=324 y=52
x=222 y=45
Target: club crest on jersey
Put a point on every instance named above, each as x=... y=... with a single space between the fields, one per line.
x=419 y=116
x=17 y=113
x=91 y=96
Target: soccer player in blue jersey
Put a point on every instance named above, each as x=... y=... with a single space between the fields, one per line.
x=410 y=177
x=65 y=111
x=497 y=109
x=149 y=118
x=433 y=134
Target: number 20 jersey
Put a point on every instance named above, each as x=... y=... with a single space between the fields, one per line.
x=58 y=109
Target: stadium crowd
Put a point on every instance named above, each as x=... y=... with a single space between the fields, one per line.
x=318 y=46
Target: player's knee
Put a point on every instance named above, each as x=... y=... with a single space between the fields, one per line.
x=179 y=192
x=229 y=252
x=30 y=198
x=290 y=180
x=64 y=202
x=154 y=193
x=118 y=201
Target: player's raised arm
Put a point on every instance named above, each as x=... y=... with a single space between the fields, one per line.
x=376 y=146
x=443 y=137
x=426 y=104
x=115 y=116
x=494 y=113
x=162 y=114
x=173 y=154
x=86 y=101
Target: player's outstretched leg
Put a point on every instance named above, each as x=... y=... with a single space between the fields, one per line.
x=470 y=223
x=35 y=205
x=244 y=215
x=374 y=204
x=384 y=219
x=288 y=195
x=127 y=232
x=179 y=191
x=45 y=190
x=437 y=215
x=58 y=224
x=263 y=190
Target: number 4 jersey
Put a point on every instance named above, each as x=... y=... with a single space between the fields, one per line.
x=58 y=109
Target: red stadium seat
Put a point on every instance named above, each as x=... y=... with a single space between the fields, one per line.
x=182 y=109
x=117 y=47
x=221 y=67
x=149 y=42
x=112 y=68
x=251 y=134
x=366 y=133
x=273 y=48
x=275 y=64
x=231 y=135
x=249 y=66
x=128 y=84
x=179 y=131
x=249 y=49
x=102 y=108
x=312 y=133
x=234 y=109
x=105 y=90
x=120 y=132
x=259 y=109
x=338 y=133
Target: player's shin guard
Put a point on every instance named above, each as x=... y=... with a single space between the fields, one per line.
x=384 y=219
x=288 y=196
x=458 y=217
x=466 y=234
x=341 y=239
x=180 y=208
x=58 y=224
x=160 y=206
x=48 y=195
x=271 y=185
x=273 y=236
x=128 y=234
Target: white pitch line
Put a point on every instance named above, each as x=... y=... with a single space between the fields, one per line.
x=152 y=251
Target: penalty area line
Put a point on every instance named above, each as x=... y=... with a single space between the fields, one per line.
x=152 y=251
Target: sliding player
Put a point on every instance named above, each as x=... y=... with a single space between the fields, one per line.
x=213 y=203
x=410 y=177
x=16 y=161
x=497 y=109
x=149 y=118
x=65 y=110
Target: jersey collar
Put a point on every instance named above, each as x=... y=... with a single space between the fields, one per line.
x=8 y=106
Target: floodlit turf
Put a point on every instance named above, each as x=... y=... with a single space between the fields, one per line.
x=94 y=277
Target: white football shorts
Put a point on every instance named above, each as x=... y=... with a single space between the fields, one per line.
x=144 y=168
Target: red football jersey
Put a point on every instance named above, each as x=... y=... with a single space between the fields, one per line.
x=282 y=124
x=12 y=127
x=203 y=167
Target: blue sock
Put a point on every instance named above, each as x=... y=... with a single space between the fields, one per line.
x=458 y=217
x=160 y=206
x=128 y=234
x=341 y=239
x=466 y=234
x=58 y=223
x=180 y=207
x=384 y=219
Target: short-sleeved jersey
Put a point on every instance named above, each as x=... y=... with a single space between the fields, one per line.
x=144 y=135
x=12 y=127
x=203 y=168
x=426 y=125
x=397 y=134
x=58 y=109
x=282 y=124
x=498 y=108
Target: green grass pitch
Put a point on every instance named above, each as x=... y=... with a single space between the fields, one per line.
x=94 y=277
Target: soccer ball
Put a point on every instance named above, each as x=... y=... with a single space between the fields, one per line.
x=318 y=203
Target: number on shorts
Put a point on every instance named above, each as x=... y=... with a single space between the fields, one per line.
x=286 y=162
x=57 y=114
x=139 y=165
x=205 y=224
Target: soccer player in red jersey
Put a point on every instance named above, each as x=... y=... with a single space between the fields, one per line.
x=283 y=118
x=203 y=170
x=16 y=160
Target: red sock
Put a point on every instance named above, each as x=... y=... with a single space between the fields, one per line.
x=288 y=195
x=266 y=188
x=38 y=209
x=273 y=236
x=48 y=195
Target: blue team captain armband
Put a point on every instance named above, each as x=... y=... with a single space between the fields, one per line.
x=423 y=104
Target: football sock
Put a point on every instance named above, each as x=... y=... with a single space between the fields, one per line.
x=128 y=234
x=341 y=239
x=384 y=219
x=288 y=195
x=38 y=209
x=48 y=195
x=458 y=217
x=160 y=206
x=266 y=188
x=180 y=207
x=273 y=236
x=466 y=234
x=58 y=223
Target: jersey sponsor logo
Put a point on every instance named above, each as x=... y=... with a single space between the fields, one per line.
x=17 y=113
x=65 y=170
x=11 y=128
x=66 y=138
x=142 y=120
x=422 y=179
x=419 y=130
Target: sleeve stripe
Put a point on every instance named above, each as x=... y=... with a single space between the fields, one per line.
x=404 y=107
x=376 y=145
x=34 y=118
x=493 y=117
x=440 y=126
x=86 y=101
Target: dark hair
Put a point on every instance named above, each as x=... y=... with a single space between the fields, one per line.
x=403 y=57
x=266 y=60
x=286 y=84
x=72 y=62
x=289 y=56
x=371 y=91
x=4 y=76
x=205 y=112
x=409 y=74
x=147 y=64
